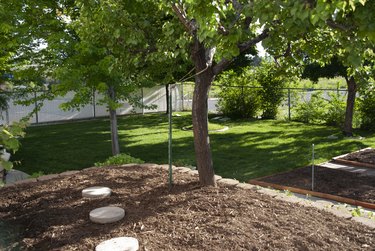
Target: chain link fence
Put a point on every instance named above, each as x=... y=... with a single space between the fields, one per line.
x=182 y=99
x=151 y=100
x=291 y=97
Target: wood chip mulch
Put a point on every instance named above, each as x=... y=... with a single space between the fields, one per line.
x=52 y=215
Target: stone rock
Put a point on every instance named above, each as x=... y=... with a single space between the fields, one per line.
x=246 y=186
x=119 y=244
x=183 y=169
x=148 y=165
x=67 y=173
x=166 y=167
x=90 y=168
x=193 y=172
x=128 y=165
x=13 y=176
x=47 y=177
x=96 y=192
x=105 y=215
x=31 y=180
x=228 y=182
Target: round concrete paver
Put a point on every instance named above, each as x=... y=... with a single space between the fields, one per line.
x=105 y=215
x=96 y=192
x=119 y=244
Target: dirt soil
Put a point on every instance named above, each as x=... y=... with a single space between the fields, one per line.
x=330 y=181
x=52 y=215
x=365 y=156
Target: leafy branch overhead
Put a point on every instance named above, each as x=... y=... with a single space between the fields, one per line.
x=226 y=29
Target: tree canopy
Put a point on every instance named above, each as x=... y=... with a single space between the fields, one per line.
x=116 y=46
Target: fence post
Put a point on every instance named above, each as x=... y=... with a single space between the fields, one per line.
x=243 y=100
x=182 y=96
x=7 y=115
x=93 y=102
x=143 y=105
x=289 y=103
x=36 y=108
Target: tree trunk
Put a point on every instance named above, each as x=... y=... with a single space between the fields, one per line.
x=167 y=97
x=113 y=120
x=203 y=81
x=348 y=123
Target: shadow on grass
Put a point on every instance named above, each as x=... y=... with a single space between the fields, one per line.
x=250 y=149
x=254 y=154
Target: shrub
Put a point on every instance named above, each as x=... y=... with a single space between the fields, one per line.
x=366 y=107
x=236 y=99
x=310 y=110
x=318 y=109
x=271 y=82
x=256 y=90
x=334 y=114
x=120 y=159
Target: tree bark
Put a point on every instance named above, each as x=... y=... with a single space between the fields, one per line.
x=348 y=123
x=113 y=121
x=203 y=80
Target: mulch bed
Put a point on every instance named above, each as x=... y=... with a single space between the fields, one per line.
x=330 y=181
x=52 y=215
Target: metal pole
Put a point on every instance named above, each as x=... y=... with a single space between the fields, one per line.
x=313 y=170
x=7 y=115
x=170 y=180
x=143 y=108
x=36 y=108
x=93 y=102
x=289 y=103
x=243 y=100
x=182 y=96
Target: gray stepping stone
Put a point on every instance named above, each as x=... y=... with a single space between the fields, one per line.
x=119 y=244
x=96 y=192
x=105 y=215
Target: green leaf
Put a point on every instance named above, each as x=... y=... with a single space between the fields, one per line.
x=6 y=164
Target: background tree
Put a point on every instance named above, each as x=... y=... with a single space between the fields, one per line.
x=333 y=69
x=321 y=31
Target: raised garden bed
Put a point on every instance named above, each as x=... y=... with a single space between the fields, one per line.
x=52 y=215
x=343 y=186
x=362 y=158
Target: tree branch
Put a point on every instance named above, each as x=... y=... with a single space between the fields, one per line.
x=338 y=26
x=245 y=46
x=224 y=63
x=178 y=10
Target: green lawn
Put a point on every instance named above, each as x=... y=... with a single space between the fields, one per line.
x=247 y=150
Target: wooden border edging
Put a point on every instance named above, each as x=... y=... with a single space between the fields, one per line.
x=313 y=193
x=353 y=163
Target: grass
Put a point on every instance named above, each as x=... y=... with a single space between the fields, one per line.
x=249 y=149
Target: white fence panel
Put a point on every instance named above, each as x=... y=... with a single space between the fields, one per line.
x=51 y=111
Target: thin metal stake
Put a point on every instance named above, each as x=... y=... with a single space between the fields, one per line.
x=313 y=169
x=289 y=104
x=36 y=108
x=170 y=181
